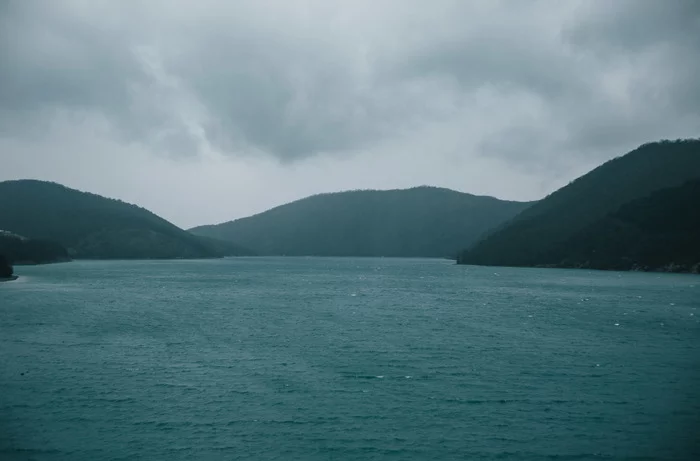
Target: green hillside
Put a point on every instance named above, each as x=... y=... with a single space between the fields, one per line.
x=94 y=227
x=546 y=233
x=659 y=232
x=19 y=250
x=418 y=222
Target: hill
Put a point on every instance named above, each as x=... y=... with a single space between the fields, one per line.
x=19 y=250
x=549 y=232
x=418 y=222
x=95 y=227
x=660 y=232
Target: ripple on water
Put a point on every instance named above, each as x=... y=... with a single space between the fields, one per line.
x=274 y=358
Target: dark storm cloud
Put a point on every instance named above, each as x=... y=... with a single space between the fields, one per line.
x=659 y=43
x=534 y=80
x=635 y=25
x=51 y=60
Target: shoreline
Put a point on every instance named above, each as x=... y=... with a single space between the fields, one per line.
x=41 y=263
x=668 y=269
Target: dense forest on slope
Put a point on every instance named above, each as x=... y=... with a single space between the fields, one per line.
x=659 y=232
x=94 y=227
x=418 y=222
x=19 y=250
x=550 y=231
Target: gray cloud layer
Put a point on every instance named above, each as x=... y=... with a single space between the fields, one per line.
x=537 y=86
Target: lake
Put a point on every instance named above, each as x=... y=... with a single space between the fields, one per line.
x=346 y=359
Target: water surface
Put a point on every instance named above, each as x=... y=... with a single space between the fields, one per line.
x=323 y=358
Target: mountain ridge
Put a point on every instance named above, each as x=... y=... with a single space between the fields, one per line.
x=538 y=235
x=94 y=227
x=423 y=221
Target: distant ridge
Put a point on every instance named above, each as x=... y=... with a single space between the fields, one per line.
x=586 y=214
x=419 y=222
x=95 y=227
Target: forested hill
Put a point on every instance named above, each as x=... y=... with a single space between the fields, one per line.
x=91 y=226
x=418 y=222
x=549 y=232
x=660 y=232
x=19 y=250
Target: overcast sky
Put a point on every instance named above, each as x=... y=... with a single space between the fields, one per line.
x=209 y=110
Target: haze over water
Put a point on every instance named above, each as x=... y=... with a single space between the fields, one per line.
x=341 y=358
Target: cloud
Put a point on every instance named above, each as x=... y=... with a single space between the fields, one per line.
x=646 y=54
x=536 y=90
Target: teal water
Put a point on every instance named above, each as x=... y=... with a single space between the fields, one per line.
x=320 y=358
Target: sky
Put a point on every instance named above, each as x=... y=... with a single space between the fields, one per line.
x=206 y=111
